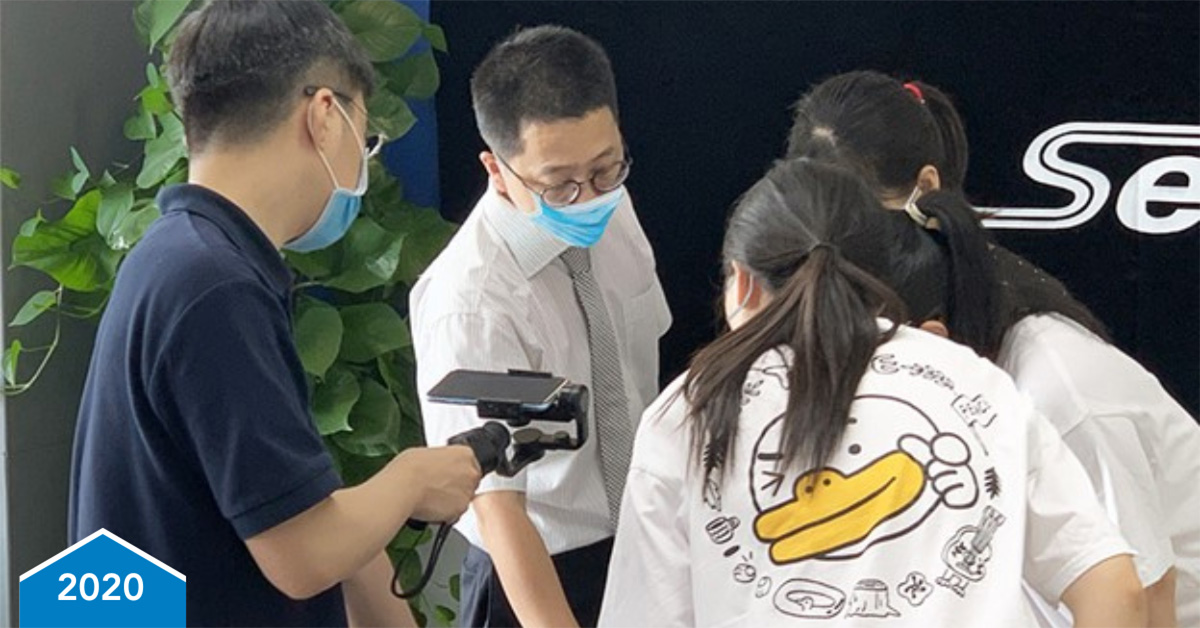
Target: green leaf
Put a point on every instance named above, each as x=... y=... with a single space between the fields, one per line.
x=455 y=587
x=141 y=21
x=318 y=331
x=83 y=213
x=409 y=563
x=384 y=195
x=353 y=468
x=436 y=37
x=409 y=539
x=415 y=76
x=162 y=153
x=10 y=362
x=140 y=126
x=401 y=378
x=155 y=100
x=78 y=182
x=178 y=176
x=106 y=181
x=314 y=265
x=84 y=304
x=153 y=78
x=80 y=166
x=412 y=431
x=333 y=398
x=10 y=178
x=445 y=615
x=385 y=29
x=29 y=227
x=34 y=307
x=371 y=330
x=70 y=250
x=63 y=187
x=389 y=112
x=370 y=255
x=132 y=226
x=425 y=235
x=80 y=178
x=162 y=17
x=117 y=202
x=374 y=423
x=419 y=617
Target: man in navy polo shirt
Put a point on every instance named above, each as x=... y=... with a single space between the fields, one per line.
x=194 y=439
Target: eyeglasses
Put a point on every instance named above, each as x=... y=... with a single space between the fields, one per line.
x=374 y=141
x=604 y=180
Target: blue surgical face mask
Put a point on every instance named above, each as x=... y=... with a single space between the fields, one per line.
x=580 y=224
x=340 y=210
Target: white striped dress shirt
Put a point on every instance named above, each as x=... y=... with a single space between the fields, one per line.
x=498 y=298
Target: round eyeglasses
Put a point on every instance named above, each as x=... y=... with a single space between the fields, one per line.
x=604 y=180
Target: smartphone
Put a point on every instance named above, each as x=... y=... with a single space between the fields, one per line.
x=530 y=390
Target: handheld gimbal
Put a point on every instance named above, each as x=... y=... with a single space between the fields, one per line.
x=515 y=398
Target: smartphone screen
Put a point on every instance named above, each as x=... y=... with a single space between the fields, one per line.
x=465 y=387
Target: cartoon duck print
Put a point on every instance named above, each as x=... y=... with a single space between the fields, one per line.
x=894 y=472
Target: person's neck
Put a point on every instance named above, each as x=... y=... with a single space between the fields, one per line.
x=258 y=184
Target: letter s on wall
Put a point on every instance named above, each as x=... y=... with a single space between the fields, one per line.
x=1090 y=188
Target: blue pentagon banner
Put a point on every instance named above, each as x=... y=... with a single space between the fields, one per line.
x=103 y=580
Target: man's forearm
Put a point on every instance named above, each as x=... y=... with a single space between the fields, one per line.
x=522 y=562
x=369 y=599
x=333 y=540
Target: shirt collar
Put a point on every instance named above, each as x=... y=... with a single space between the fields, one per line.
x=532 y=247
x=235 y=224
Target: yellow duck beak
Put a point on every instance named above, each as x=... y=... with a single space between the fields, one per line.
x=833 y=510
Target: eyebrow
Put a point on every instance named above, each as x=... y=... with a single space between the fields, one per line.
x=552 y=170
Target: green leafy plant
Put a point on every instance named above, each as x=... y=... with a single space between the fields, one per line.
x=353 y=340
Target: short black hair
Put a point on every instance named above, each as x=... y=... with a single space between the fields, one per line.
x=236 y=64
x=539 y=74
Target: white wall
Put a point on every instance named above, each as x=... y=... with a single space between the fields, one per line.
x=68 y=72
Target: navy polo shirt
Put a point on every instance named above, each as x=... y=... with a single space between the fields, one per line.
x=194 y=432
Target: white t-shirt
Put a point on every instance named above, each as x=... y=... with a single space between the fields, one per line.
x=946 y=490
x=1140 y=448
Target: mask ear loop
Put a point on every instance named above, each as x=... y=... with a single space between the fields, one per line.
x=362 y=178
x=914 y=212
x=745 y=300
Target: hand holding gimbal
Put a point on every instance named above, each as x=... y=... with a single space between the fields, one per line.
x=516 y=398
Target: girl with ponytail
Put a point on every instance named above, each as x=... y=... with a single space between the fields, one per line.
x=822 y=460
x=1138 y=444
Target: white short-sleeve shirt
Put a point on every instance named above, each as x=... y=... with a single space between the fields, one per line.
x=1140 y=448
x=498 y=298
x=946 y=491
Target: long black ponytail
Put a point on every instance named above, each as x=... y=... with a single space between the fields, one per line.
x=887 y=131
x=796 y=231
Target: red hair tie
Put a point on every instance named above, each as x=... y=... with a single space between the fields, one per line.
x=916 y=91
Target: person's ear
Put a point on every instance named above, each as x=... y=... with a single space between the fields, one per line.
x=742 y=282
x=935 y=327
x=928 y=179
x=323 y=120
x=491 y=166
x=746 y=289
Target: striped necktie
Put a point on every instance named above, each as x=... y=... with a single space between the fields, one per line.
x=610 y=405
